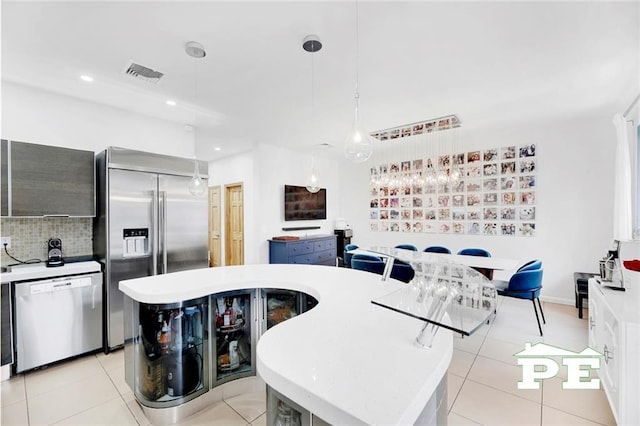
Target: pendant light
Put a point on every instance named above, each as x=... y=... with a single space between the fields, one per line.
x=312 y=44
x=196 y=185
x=358 y=145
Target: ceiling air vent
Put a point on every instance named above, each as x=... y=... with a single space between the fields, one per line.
x=143 y=73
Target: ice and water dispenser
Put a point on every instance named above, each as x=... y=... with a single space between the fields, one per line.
x=135 y=242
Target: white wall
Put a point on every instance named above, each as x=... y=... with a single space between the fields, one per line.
x=574 y=200
x=264 y=172
x=37 y=116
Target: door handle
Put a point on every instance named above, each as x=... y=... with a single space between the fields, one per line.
x=163 y=228
x=606 y=352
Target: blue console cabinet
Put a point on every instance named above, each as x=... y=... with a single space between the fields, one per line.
x=312 y=250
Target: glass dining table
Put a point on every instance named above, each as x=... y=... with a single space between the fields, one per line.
x=443 y=293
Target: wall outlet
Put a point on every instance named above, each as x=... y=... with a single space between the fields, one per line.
x=5 y=240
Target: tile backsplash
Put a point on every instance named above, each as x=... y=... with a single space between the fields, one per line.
x=29 y=237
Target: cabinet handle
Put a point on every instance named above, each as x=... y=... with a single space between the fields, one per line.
x=606 y=352
x=592 y=323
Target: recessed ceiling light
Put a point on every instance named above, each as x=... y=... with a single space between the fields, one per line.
x=86 y=78
x=171 y=103
x=217 y=148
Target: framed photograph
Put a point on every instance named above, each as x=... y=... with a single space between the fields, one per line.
x=457 y=200
x=490 y=228
x=490 y=213
x=490 y=184
x=508 y=213
x=508 y=152
x=474 y=228
x=394 y=214
x=528 y=197
x=405 y=214
x=527 y=182
x=490 y=198
x=527 y=213
x=474 y=214
x=490 y=155
x=508 y=198
x=444 y=214
x=443 y=201
x=528 y=150
x=527 y=229
x=384 y=214
x=508 y=167
x=458 y=227
x=418 y=214
x=458 y=214
x=474 y=185
x=417 y=226
x=528 y=166
x=473 y=157
x=508 y=229
x=394 y=227
x=490 y=169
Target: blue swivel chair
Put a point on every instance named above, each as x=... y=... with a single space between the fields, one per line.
x=480 y=253
x=437 y=249
x=407 y=247
x=365 y=262
x=347 y=255
x=525 y=284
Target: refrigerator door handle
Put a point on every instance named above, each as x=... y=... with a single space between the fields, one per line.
x=163 y=229
x=155 y=233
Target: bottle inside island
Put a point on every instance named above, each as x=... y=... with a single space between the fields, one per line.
x=235 y=335
x=170 y=352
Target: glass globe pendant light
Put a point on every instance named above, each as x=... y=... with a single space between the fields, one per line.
x=313 y=181
x=312 y=44
x=196 y=185
x=358 y=145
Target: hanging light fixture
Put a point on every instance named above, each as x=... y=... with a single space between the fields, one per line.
x=312 y=44
x=196 y=185
x=358 y=145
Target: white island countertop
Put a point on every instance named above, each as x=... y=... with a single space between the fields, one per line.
x=346 y=360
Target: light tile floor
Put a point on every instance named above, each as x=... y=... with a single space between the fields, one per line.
x=482 y=383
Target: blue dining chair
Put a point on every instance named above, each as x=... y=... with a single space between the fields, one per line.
x=480 y=253
x=407 y=247
x=347 y=256
x=524 y=284
x=365 y=262
x=530 y=265
x=475 y=252
x=437 y=249
x=400 y=271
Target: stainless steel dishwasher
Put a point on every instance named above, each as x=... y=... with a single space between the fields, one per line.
x=57 y=318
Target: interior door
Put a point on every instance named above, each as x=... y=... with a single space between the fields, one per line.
x=215 y=227
x=183 y=226
x=234 y=224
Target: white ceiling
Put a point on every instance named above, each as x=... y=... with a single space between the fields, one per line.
x=483 y=61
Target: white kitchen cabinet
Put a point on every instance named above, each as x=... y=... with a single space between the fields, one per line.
x=614 y=331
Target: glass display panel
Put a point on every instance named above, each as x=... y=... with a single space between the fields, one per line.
x=234 y=354
x=171 y=352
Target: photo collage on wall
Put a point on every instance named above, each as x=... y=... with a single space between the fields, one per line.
x=484 y=192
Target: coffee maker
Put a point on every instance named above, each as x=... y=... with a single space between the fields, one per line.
x=54 y=258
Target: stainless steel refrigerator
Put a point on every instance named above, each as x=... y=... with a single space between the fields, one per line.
x=148 y=223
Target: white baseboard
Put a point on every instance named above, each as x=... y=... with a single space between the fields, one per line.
x=558 y=300
x=5 y=372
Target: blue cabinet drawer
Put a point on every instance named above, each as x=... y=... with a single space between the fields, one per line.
x=302 y=247
x=330 y=243
x=305 y=259
x=319 y=245
x=327 y=257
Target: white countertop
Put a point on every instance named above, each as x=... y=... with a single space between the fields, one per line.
x=35 y=271
x=346 y=360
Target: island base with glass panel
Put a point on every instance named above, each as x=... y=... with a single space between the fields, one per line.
x=196 y=337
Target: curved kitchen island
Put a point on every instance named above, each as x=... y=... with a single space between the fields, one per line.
x=346 y=360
